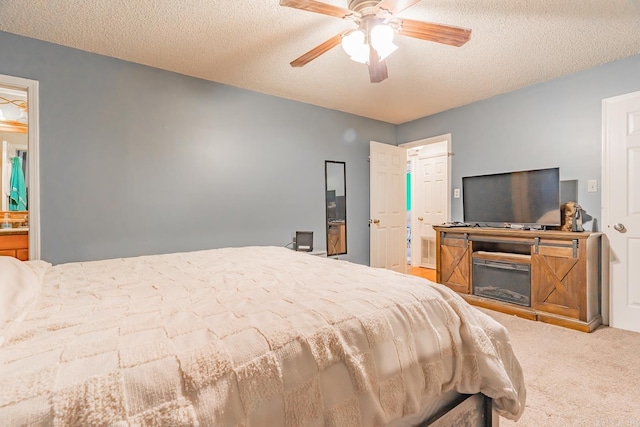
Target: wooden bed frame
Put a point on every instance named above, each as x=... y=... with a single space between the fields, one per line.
x=475 y=410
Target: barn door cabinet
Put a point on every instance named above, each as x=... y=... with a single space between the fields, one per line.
x=454 y=267
x=564 y=270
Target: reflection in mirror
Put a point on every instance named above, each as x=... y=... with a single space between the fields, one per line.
x=14 y=140
x=335 y=197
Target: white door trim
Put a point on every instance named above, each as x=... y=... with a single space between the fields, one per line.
x=427 y=141
x=605 y=203
x=31 y=87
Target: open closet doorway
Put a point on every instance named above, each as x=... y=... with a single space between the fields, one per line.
x=428 y=196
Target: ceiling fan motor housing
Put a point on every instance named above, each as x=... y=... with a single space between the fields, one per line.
x=364 y=7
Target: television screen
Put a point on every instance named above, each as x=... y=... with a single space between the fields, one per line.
x=525 y=197
x=332 y=208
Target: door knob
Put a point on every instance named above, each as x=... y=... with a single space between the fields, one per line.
x=376 y=221
x=619 y=227
x=420 y=218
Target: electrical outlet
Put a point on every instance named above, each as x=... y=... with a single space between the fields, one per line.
x=456 y=193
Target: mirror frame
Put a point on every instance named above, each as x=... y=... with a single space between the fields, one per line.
x=326 y=201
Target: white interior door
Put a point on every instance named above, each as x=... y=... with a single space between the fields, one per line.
x=621 y=206
x=430 y=204
x=387 y=223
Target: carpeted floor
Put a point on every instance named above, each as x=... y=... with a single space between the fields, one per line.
x=575 y=378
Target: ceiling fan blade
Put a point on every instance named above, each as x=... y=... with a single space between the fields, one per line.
x=318 y=50
x=319 y=7
x=377 y=68
x=395 y=6
x=445 y=34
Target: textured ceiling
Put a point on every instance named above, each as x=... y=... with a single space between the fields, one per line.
x=249 y=44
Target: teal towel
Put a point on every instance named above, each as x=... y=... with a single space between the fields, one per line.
x=18 y=194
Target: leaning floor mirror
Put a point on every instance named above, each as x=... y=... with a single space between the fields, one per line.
x=336 y=205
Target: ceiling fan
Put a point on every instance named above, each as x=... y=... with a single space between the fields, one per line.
x=372 y=41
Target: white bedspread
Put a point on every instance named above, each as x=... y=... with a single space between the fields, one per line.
x=257 y=336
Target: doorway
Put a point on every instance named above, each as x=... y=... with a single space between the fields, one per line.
x=428 y=202
x=23 y=94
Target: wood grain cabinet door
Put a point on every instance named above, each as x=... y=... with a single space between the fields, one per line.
x=455 y=264
x=557 y=281
x=15 y=245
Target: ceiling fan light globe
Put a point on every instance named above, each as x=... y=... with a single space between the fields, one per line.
x=361 y=55
x=352 y=41
x=381 y=36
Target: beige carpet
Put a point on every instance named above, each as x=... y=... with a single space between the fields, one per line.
x=574 y=378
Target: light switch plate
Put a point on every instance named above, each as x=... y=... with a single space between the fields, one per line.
x=456 y=193
x=592 y=186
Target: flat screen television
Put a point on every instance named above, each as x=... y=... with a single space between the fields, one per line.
x=528 y=198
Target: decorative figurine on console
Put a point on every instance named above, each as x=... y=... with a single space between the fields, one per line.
x=572 y=215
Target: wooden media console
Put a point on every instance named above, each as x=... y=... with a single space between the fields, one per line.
x=550 y=276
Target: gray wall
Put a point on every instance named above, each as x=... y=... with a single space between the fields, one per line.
x=136 y=160
x=556 y=123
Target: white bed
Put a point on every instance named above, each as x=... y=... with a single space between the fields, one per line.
x=255 y=336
